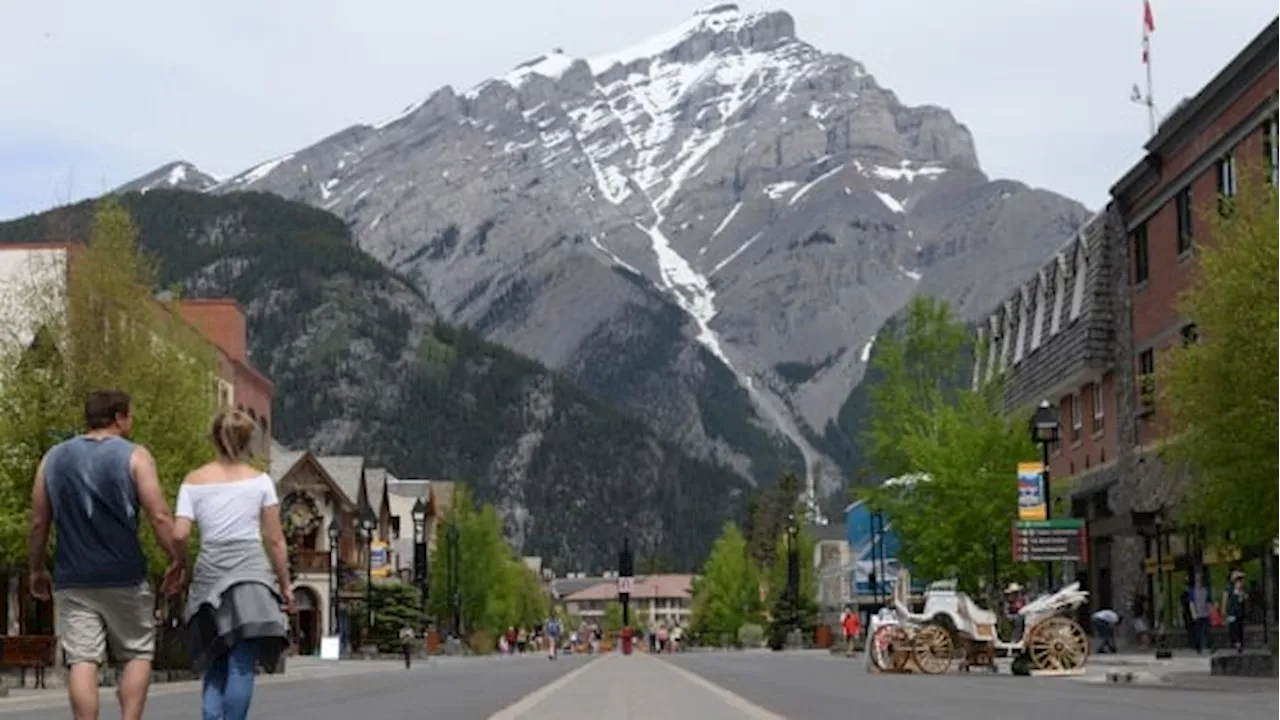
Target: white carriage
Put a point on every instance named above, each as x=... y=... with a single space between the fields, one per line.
x=1045 y=640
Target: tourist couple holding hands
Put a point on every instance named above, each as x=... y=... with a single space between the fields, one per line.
x=92 y=489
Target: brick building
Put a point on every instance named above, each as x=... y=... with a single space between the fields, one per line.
x=1086 y=332
x=222 y=321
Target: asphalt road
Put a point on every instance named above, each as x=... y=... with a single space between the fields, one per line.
x=819 y=686
x=695 y=686
x=466 y=689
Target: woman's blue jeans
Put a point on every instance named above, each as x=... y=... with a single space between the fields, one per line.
x=228 y=683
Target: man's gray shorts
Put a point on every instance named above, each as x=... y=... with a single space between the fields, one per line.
x=91 y=618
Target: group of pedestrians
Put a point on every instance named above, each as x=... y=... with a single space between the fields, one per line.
x=91 y=490
x=1200 y=614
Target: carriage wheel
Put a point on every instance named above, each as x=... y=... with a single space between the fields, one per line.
x=900 y=641
x=932 y=649
x=1058 y=643
x=878 y=648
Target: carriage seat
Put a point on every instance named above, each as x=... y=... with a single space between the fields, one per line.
x=984 y=621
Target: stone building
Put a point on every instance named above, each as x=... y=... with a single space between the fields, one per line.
x=315 y=490
x=1085 y=332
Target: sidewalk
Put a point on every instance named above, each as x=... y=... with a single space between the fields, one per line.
x=298 y=668
x=637 y=687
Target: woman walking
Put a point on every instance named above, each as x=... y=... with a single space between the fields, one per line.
x=233 y=604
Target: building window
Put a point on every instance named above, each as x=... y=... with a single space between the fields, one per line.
x=1184 y=220
x=1272 y=145
x=1141 y=257
x=1189 y=334
x=1077 y=418
x=1147 y=378
x=1077 y=285
x=1226 y=182
x=1099 y=408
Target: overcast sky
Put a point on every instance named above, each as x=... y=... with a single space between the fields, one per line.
x=93 y=94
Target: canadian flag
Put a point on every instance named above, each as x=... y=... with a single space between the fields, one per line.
x=1148 y=27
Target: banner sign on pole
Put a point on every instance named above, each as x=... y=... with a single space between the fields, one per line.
x=1031 y=500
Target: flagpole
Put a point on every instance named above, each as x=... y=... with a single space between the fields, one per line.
x=1151 y=100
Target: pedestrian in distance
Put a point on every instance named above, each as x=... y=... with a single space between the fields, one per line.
x=406 y=642
x=553 y=637
x=1233 y=600
x=240 y=582
x=1105 y=622
x=849 y=624
x=89 y=489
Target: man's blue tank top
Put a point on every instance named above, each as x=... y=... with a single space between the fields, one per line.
x=95 y=512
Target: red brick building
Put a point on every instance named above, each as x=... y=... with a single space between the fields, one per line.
x=222 y=321
x=1087 y=331
x=1203 y=150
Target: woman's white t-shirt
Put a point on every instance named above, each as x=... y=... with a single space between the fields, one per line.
x=227 y=510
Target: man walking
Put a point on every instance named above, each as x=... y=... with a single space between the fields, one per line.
x=406 y=642
x=90 y=488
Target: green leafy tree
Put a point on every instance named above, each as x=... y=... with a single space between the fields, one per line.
x=948 y=520
x=1219 y=392
x=395 y=605
x=925 y=421
x=496 y=589
x=921 y=369
x=89 y=324
x=727 y=595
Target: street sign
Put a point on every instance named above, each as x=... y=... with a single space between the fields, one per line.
x=1050 y=540
x=624 y=585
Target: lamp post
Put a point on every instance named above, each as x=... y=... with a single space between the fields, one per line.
x=335 y=556
x=793 y=571
x=368 y=524
x=455 y=597
x=419 y=514
x=1044 y=431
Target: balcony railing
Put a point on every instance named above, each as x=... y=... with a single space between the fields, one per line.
x=312 y=560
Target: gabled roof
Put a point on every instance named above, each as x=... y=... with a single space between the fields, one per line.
x=652 y=586
x=346 y=471
x=282 y=461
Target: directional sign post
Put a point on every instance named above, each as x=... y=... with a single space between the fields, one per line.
x=1050 y=540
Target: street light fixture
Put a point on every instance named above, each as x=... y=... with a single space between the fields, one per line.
x=368 y=525
x=793 y=570
x=455 y=596
x=335 y=555
x=1045 y=431
x=419 y=514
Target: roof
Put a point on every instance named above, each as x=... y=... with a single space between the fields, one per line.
x=565 y=586
x=655 y=586
x=376 y=480
x=409 y=487
x=442 y=496
x=345 y=471
x=282 y=461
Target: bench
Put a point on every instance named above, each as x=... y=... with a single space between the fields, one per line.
x=24 y=652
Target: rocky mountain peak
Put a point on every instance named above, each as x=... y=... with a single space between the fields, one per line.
x=733 y=210
x=178 y=175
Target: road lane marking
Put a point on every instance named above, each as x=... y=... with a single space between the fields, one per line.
x=535 y=698
x=749 y=710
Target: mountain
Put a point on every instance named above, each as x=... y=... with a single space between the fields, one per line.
x=362 y=364
x=707 y=229
x=180 y=175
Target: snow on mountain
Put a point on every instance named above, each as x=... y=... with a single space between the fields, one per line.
x=774 y=195
x=180 y=175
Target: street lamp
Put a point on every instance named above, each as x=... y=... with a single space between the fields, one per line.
x=1044 y=431
x=419 y=514
x=335 y=554
x=793 y=570
x=368 y=524
x=455 y=596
